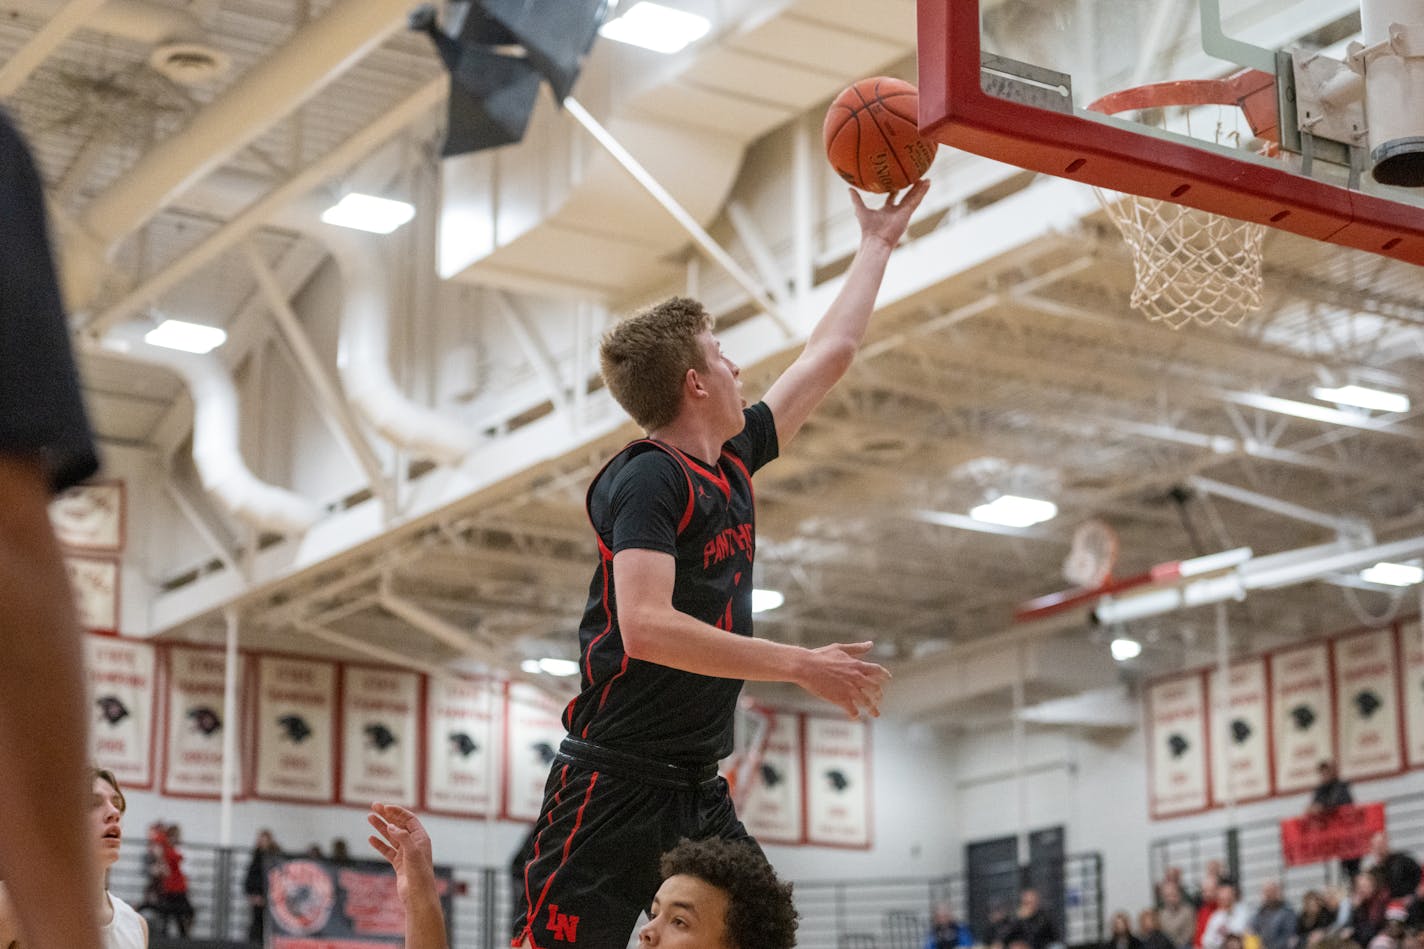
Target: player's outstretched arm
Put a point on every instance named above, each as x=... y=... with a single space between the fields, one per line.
x=656 y=632
x=404 y=842
x=47 y=857
x=832 y=344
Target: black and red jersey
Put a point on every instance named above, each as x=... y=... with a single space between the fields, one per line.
x=652 y=496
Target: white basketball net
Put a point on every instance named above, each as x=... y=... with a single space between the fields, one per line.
x=1191 y=266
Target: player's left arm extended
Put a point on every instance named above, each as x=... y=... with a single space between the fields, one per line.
x=832 y=345
x=404 y=842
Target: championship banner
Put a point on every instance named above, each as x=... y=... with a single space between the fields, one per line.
x=463 y=724
x=1302 y=715
x=193 y=726
x=1241 y=761
x=380 y=715
x=122 y=690
x=773 y=808
x=1367 y=704
x=837 y=782
x=1177 y=756
x=90 y=516
x=317 y=904
x=534 y=731
x=94 y=582
x=1341 y=833
x=296 y=728
x=1412 y=649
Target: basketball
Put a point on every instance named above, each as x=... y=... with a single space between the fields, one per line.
x=873 y=138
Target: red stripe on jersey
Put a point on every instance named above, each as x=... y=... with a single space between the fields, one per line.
x=716 y=477
x=530 y=914
x=740 y=464
x=604 y=698
x=564 y=858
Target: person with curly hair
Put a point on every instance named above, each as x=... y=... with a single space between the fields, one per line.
x=719 y=894
x=715 y=894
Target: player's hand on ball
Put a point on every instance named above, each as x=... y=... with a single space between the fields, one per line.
x=403 y=841
x=888 y=222
x=837 y=674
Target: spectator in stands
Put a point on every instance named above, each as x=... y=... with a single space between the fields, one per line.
x=1329 y=794
x=1177 y=917
x=173 y=904
x=1120 y=933
x=1398 y=870
x=1315 y=917
x=1149 y=930
x=1231 y=918
x=1392 y=935
x=340 y=853
x=1172 y=875
x=255 y=883
x=1367 y=908
x=996 y=934
x=1031 y=924
x=314 y=852
x=1206 y=905
x=1274 y=921
x=947 y=932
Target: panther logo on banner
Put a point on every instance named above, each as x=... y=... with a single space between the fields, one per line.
x=301 y=896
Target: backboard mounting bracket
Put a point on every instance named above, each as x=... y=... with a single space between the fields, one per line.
x=1026 y=83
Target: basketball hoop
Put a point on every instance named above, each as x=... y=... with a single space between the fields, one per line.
x=1190 y=265
x=752 y=729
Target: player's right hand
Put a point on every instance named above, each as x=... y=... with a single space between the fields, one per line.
x=837 y=674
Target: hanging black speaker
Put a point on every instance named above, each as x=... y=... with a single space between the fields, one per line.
x=556 y=34
x=496 y=52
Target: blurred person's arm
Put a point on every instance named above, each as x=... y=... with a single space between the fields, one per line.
x=403 y=841
x=46 y=857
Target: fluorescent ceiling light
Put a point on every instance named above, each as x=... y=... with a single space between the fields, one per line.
x=188 y=337
x=1124 y=649
x=1393 y=574
x=1011 y=510
x=764 y=600
x=559 y=667
x=531 y=666
x=366 y=212
x=1363 y=398
x=656 y=27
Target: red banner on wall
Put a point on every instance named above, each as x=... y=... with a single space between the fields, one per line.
x=1342 y=833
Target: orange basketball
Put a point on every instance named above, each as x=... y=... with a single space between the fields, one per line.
x=873 y=137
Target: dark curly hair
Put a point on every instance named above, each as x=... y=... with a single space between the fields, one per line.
x=760 y=914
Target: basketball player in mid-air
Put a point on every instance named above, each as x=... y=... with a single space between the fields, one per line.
x=666 y=636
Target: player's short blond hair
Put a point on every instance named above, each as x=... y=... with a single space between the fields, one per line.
x=646 y=357
x=103 y=774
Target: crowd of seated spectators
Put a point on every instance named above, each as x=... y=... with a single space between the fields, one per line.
x=1383 y=908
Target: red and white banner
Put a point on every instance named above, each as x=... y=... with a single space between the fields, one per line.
x=122 y=693
x=1177 y=755
x=90 y=516
x=380 y=715
x=193 y=727
x=1343 y=832
x=1241 y=761
x=95 y=583
x=1302 y=715
x=773 y=808
x=837 y=782
x=463 y=719
x=1412 y=649
x=1367 y=704
x=534 y=731
x=296 y=729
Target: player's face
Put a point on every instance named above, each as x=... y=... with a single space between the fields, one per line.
x=104 y=816
x=724 y=381
x=687 y=913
